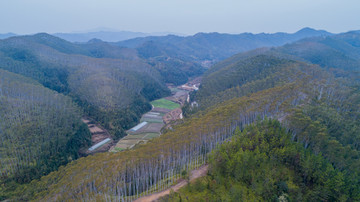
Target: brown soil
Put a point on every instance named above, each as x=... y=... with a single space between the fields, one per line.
x=98 y=134
x=200 y=172
x=179 y=97
x=172 y=116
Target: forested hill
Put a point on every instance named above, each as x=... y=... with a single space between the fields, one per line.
x=340 y=51
x=212 y=46
x=40 y=130
x=264 y=68
x=262 y=163
x=113 y=85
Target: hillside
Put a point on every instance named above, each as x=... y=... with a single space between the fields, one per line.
x=106 y=88
x=159 y=163
x=262 y=163
x=40 y=130
x=339 y=51
x=251 y=71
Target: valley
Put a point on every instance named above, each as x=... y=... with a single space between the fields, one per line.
x=164 y=113
x=275 y=117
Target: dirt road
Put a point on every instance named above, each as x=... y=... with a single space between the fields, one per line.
x=200 y=172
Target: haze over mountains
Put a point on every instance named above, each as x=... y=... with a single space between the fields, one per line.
x=109 y=36
x=307 y=81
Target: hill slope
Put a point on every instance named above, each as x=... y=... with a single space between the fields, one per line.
x=39 y=131
x=261 y=164
x=248 y=72
x=106 y=87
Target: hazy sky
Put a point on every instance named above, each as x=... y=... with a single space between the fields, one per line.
x=181 y=16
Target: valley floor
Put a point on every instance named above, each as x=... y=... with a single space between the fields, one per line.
x=165 y=111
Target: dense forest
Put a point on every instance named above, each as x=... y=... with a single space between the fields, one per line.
x=277 y=123
x=248 y=72
x=40 y=130
x=263 y=163
x=112 y=85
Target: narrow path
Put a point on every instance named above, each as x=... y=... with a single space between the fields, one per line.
x=200 y=172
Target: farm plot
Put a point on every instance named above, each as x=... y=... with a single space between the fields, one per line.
x=151 y=128
x=150 y=136
x=161 y=110
x=152 y=117
x=179 y=97
x=131 y=140
x=164 y=103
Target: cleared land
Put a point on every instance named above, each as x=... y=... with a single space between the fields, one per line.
x=98 y=134
x=166 y=104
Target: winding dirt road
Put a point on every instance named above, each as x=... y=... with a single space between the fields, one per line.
x=200 y=172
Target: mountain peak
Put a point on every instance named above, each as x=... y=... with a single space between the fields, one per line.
x=311 y=31
x=306 y=30
x=95 y=40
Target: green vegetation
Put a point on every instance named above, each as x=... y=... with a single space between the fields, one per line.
x=249 y=72
x=164 y=103
x=40 y=130
x=312 y=153
x=114 y=89
x=187 y=147
x=261 y=163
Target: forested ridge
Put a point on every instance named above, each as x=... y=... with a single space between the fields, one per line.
x=251 y=71
x=262 y=163
x=212 y=46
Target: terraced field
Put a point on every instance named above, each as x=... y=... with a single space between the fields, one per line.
x=164 y=111
x=149 y=127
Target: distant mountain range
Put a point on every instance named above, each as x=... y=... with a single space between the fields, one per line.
x=213 y=46
x=109 y=36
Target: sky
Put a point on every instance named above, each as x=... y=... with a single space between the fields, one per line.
x=178 y=16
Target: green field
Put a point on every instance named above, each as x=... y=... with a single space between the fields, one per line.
x=163 y=103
